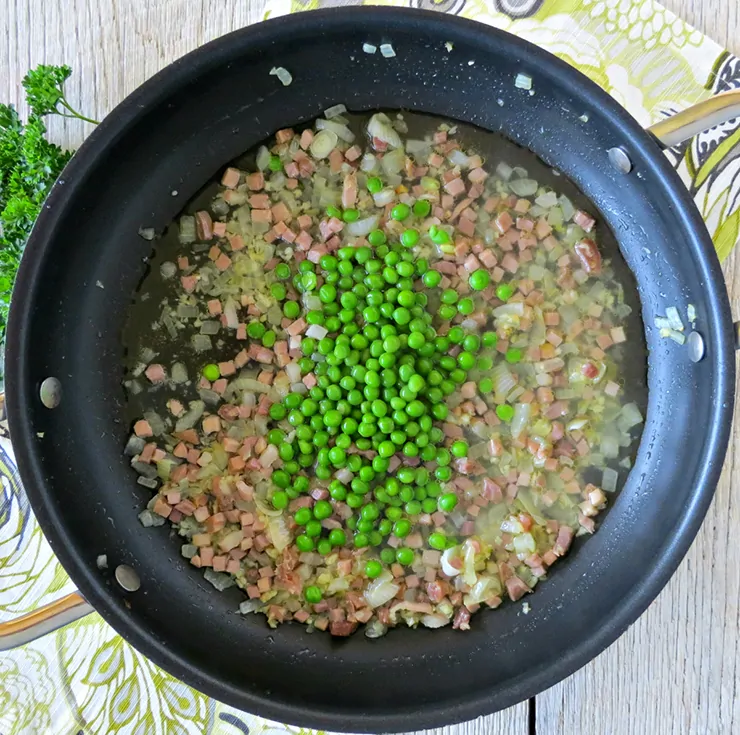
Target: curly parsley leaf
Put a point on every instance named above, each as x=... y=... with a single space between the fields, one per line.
x=29 y=166
x=44 y=87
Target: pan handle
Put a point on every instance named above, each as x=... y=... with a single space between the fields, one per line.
x=686 y=124
x=46 y=619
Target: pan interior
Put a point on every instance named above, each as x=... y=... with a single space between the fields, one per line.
x=86 y=260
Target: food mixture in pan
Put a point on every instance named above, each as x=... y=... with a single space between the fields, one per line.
x=385 y=380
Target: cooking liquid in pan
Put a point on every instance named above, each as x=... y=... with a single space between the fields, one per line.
x=513 y=524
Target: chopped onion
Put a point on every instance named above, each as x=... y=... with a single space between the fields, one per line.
x=323 y=144
x=674 y=319
x=102 y=561
x=468 y=570
x=434 y=621
x=232 y=320
x=341 y=131
x=418 y=147
x=279 y=534
x=381 y=590
x=691 y=313
x=458 y=158
x=187 y=229
x=263 y=158
x=316 y=331
x=446 y=559
x=523 y=81
x=567 y=207
x=201 y=343
x=522 y=412
x=250 y=606
x=282 y=74
x=375 y=629
x=387 y=50
x=547 y=200
x=179 y=373
x=335 y=110
x=523 y=187
x=148 y=233
x=609 y=480
x=380 y=127
x=293 y=371
x=631 y=415
x=344 y=476
x=148 y=519
x=269 y=456
x=362 y=227
x=368 y=48
x=191 y=416
x=504 y=171
x=393 y=161
x=673 y=334
x=219 y=580
x=167 y=270
x=369 y=163
x=384 y=197
x=515 y=307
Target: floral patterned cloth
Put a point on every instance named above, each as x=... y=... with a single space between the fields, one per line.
x=86 y=679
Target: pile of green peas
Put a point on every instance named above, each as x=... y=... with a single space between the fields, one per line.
x=383 y=375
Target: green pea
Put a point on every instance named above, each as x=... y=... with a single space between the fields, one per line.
x=211 y=372
x=376 y=238
x=504 y=291
x=438 y=235
x=312 y=594
x=282 y=271
x=431 y=279
x=374 y=184
x=513 y=355
x=402 y=528
x=324 y=547
x=405 y=556
x=479 y=279
x=410 y=237
x=400 y=212
x=337 y=537
x=303 y=516
x=304 y=543
x=361 y=540
x=447 y=502
x=437 y=541
x=422 y=208
x=505 y=412
x=322 y=510
x=337 y=490
x=280 y=500
x=256 y=330
x=387 y=556
x=269 y=339
x=466 y=306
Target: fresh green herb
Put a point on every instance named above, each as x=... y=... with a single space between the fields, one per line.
x=29 y=166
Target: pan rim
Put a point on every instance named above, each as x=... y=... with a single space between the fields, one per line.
x=126 y=114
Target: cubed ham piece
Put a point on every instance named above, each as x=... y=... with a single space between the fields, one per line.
x=230 y=179
x=516 y=588
x=143 y=429
x=155 y=373
x=563 y=540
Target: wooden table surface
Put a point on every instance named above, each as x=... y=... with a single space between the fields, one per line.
x=677 y=670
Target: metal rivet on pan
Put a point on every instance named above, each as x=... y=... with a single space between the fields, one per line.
x=620 y=160
x=695 y=344
x=127 y=578
x=50 y=393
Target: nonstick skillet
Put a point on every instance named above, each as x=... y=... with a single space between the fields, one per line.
x=172 y=135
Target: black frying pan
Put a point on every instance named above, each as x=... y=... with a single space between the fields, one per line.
x=174 y=133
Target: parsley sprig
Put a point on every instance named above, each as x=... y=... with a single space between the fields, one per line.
x=29 y=166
